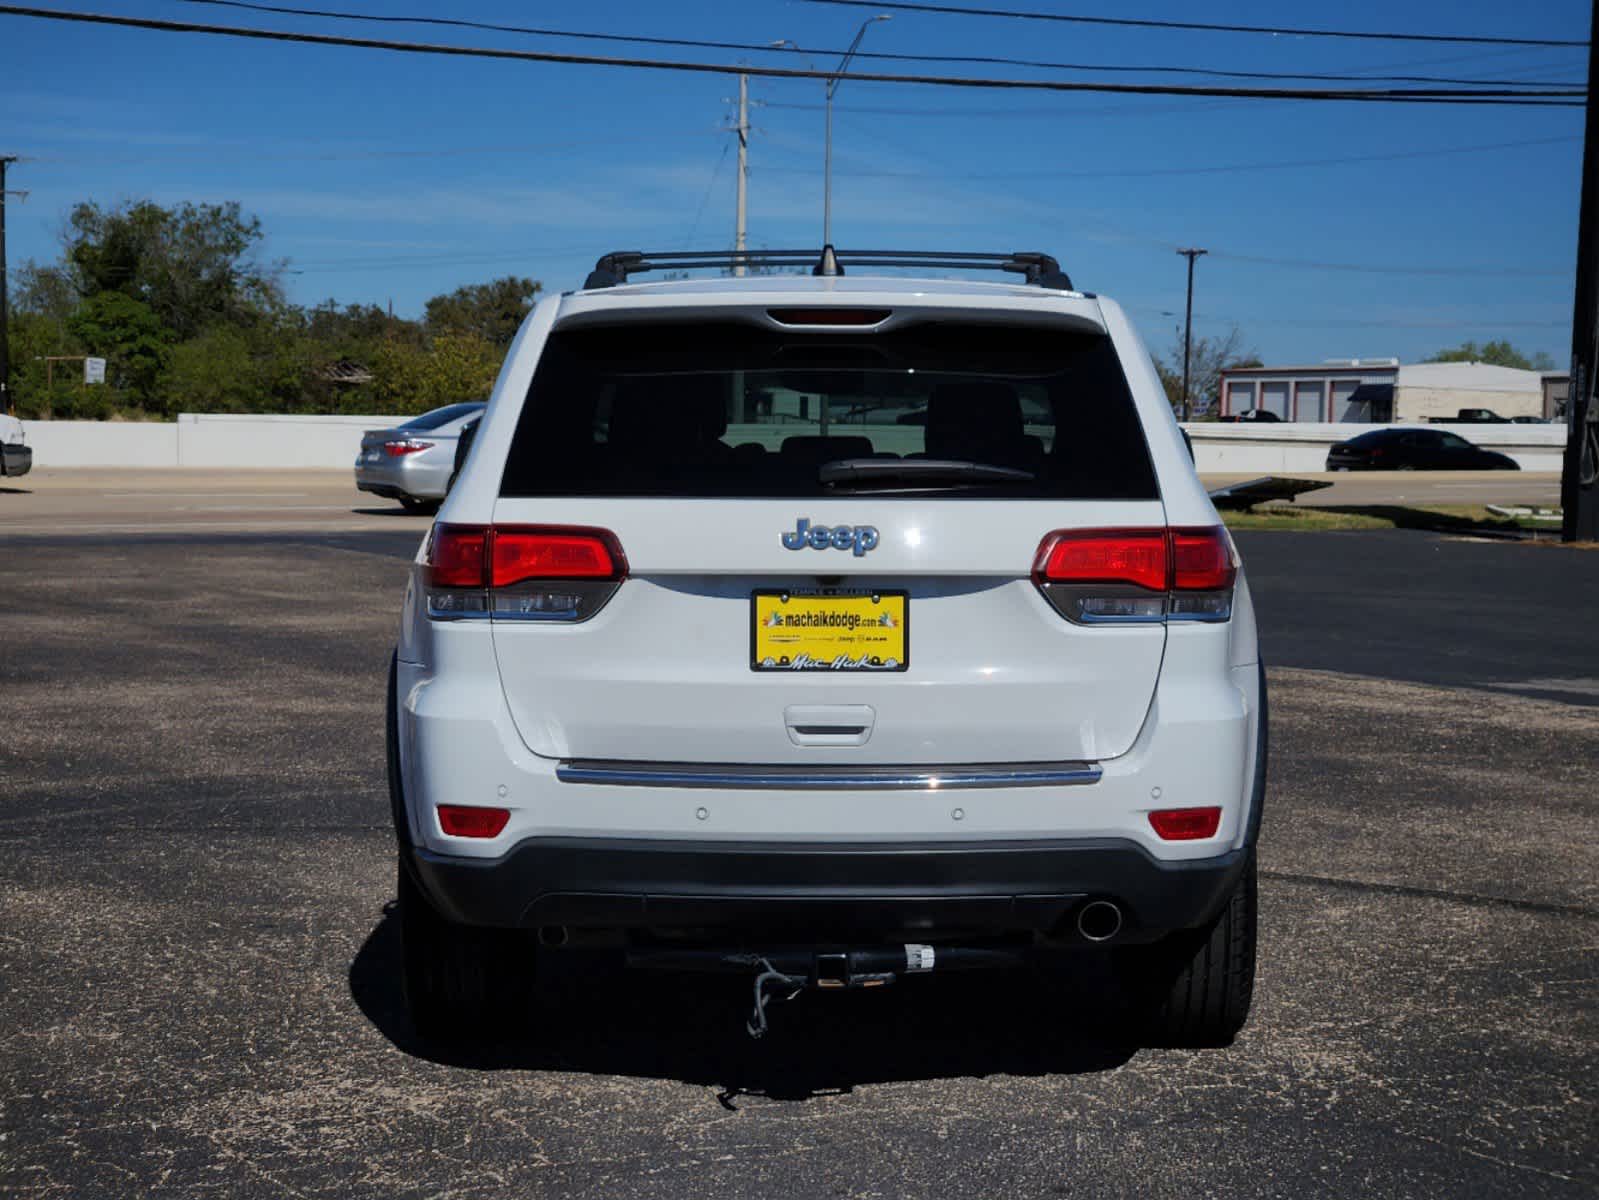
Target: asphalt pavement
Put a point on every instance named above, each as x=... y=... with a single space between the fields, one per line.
x=198 y=988
x=190 y=500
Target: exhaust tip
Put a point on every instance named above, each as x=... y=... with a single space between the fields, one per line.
x=552 y=935
x=1099 y=920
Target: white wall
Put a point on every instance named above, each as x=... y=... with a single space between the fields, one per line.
x=102 y=443
x=202 y=440
x=225 y=440
x=1261 y=447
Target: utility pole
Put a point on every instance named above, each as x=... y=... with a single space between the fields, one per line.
x=1579 y=477
x=1188 y=326
x=5 y=318
x=832 y=86
x=743 y=131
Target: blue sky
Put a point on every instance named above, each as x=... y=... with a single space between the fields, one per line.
x=394 y=177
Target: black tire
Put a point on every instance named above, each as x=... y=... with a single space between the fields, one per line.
x=462 y=984
x=414 y=504
x=1193 y=989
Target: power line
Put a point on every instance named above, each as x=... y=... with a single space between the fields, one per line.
x=211 y=154
x=766 y=48
x=1221 y=169
x=1387 y=269
x=1203 y=26
x=1534 y=98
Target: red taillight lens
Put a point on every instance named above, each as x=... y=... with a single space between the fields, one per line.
x=457 y=556
x=1185 y=824
x=402 y=448
x=542 y=553
x=1133 y=556
x=1202 y=559
x=459 y=820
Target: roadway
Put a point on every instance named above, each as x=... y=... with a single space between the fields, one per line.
x=198 y=958
x=114 y=502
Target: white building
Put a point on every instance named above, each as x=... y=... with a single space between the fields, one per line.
x=1378 y=391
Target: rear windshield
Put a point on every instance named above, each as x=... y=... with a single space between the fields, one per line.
x=443 y=416
x=733 y=410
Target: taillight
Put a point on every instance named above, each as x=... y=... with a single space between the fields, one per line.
x=460 y=820
x=404 y=446
x=521 y=572
x=1107 y=576
x=1185 y=824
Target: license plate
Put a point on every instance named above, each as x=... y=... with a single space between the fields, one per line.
x=829 y=631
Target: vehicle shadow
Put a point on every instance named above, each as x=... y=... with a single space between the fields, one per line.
x=11 y=491
x=1436 y=522
x=396 y=511
x=590 y=1016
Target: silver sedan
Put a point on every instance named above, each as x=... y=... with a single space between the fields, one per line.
x=413 y=462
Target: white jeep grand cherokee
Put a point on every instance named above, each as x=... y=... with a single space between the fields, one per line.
x=829 y=629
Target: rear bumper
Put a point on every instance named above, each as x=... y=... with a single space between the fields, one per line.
x=421 y=475
x=16 y=459
x=824 y=890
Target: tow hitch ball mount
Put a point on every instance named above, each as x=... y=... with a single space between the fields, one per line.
x=784 y=974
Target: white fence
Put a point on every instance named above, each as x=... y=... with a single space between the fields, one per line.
x=225 y=440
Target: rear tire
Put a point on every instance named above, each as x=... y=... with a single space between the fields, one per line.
x=462 y=983
x=413 y=504
x=1193 y=990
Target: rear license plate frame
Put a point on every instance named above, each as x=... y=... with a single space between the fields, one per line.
x=891 y=597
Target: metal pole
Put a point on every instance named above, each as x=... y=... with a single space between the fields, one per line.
x=5 y=317
x=827 y=174
x=739 y=229
x=827 y=158
x=1579 y=487
x=1188 y=328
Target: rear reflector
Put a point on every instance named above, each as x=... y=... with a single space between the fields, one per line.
x=829 y=316
x=521 y=572
x=1185 y=824
x=458 y=820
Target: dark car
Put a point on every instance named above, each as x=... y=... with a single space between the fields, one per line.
x=1415 y=450
x=1252 y=414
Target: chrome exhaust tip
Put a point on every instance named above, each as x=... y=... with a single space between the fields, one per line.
x=1099 y=920
x=552 y=935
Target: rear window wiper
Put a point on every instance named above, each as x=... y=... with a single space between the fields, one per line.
x=917 y=470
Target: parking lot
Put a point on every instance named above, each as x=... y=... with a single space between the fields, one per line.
x=199 y=968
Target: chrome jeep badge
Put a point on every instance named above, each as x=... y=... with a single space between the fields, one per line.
x=856 y=538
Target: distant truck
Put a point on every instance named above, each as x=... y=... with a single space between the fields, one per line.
x=1471 y=416
x=16 y=457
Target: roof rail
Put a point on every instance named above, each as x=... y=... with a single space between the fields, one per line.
x=617 y=267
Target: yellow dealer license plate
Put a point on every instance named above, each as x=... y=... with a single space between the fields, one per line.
x=829 y=631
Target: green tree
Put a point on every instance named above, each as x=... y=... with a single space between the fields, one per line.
x=130 y=337
x=492 y=311
x=193 y=264
x=453 y=367
x=1498 y=353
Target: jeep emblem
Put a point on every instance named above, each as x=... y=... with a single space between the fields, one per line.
x=858 y=538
